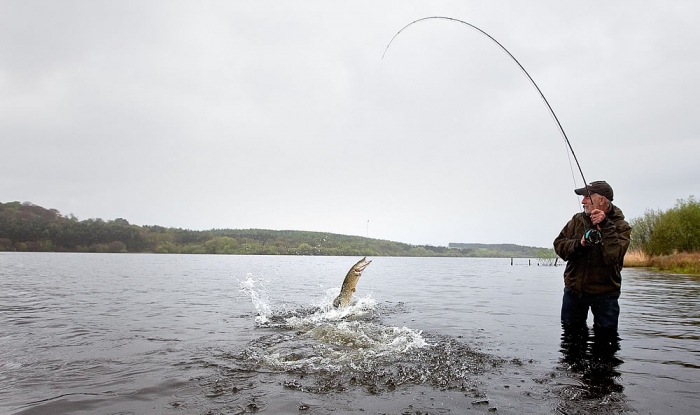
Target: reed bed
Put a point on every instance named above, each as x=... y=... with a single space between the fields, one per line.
x=681 y=263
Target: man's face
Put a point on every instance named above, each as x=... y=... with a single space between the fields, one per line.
x=592 y=202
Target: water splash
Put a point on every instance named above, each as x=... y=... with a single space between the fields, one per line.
x=297 y=318
x=256 y=289
x=328 y=347
x=319 y=335
x=317 y=349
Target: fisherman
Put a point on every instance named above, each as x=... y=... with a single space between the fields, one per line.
x=593 y=243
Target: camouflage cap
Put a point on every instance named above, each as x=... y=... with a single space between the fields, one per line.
x=600 y=187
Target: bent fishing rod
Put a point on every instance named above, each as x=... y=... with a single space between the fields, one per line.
x=532 y=81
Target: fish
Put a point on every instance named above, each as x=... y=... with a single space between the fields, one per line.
x=350 y=282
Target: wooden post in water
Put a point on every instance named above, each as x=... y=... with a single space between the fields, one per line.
x=511 y=261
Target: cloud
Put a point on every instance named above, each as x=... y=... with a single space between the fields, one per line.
x=283 y=115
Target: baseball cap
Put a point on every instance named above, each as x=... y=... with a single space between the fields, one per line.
x=600 y=187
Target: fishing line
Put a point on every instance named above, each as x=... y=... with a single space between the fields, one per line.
x=532 y=81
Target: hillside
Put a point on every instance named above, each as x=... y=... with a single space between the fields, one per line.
x=28 y=227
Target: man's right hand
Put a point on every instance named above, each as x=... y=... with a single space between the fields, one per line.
x=597 y=216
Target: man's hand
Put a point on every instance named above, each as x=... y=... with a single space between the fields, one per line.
x=597 y=216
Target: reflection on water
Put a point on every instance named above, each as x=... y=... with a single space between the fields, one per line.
x=592 y=354
x=590 y=358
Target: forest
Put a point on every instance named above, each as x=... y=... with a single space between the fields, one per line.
x=658 y=232
x=667 y=240
x=29 y=227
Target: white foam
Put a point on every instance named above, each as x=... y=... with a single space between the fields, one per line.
x=337 y=336
x=256 y=290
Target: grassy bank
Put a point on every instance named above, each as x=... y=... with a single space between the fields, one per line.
x=681 y=263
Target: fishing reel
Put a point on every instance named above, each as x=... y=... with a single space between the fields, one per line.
x=593 y=236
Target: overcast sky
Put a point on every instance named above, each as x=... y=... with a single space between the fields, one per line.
x=283 y=114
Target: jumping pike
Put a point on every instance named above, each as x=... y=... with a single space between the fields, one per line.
x=350 y=282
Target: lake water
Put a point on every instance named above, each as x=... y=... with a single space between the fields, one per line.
x=198 y=334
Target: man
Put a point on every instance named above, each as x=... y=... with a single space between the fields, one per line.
x=592 y=275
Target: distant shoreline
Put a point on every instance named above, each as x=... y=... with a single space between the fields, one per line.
x=25 y=227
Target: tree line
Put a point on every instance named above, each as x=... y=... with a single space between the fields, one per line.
x=675 y=230
x=29 y=227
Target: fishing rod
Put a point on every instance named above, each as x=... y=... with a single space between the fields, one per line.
x=532 y=81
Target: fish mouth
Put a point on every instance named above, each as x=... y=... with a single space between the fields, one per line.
x=359 y=267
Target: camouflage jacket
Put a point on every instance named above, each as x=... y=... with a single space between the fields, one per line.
x=594 y=269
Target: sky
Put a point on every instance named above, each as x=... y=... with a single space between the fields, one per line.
x=284 y=115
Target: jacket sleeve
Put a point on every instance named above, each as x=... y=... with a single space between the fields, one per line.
x=616 y=240
x=568 y=244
